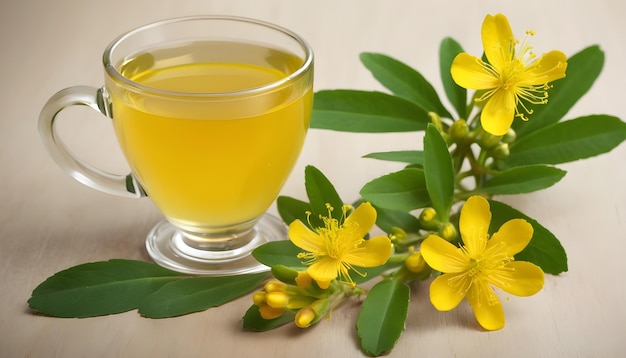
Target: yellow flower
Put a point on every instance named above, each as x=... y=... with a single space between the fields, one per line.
x=340 y=246
x=510 y=76
x=470 y=271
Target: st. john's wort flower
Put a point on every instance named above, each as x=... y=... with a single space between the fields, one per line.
x=481 y=262
x=341 y=245
x=510 y=77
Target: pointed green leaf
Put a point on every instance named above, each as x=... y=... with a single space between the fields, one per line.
x=403 y=156
x=100 y=288
x=456 y=94
x=291 y=209
x=404 y=190
x=198 y=294
x=583 y=69
x=404 y=81
x=520 y=180
x=321 y=192
x=252 y=320
x=360 y=111
x=381 y=320
x=567 y=141
x=439 y=172
x=544 y=249
x=279 y=253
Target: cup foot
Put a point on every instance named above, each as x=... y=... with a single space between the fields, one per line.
x=166 y=246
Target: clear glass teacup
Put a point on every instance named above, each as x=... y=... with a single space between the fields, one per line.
x=211 y=114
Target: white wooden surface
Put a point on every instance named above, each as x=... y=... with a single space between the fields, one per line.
x=49 y=222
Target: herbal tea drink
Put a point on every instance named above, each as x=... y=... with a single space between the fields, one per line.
x=211 y=113
x=211 y=164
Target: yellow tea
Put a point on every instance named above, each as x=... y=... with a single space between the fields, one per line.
x=208 y=154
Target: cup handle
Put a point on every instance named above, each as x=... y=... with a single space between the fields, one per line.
x=97 y=99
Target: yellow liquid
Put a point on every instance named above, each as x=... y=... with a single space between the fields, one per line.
x=211 y=163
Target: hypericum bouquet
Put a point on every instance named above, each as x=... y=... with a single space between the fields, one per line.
x=438 y=214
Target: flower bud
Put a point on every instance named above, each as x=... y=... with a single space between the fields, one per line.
x=488 y=140
x=277 y=299
x=458 y=131
x=415 y=262
x=397 y=234
x=305 y=317
x=312 y=313
x=259 y=298
x=448 y=232
x=275 y=286
x=510 y=136
x=501 y=151
x=428 y=219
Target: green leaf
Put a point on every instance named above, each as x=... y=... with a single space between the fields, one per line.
x=583 y=69
x=567 y=141
x=403 y=156
x=100 y=288
x=404 y=190
x=291 y=209
x=456 y=94
x=544 y=249
x=404 y=81
x=321 y=192
x=198 y=294
x=371 y=112
x=389 y=219
x=439 y=172
x=252 y=320
x=520 y=180
x=381 y=320
x=279 y=253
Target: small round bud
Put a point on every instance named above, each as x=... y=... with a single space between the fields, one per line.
x=448 y=232
x=458 y=131
x=397 y=234
x=510 y=136
x=259 y=298
x=428 y=219
x=501 y=151
x=488 y=140
x=415 y=262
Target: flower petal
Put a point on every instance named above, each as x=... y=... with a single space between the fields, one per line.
x=550 y=67
x=518 y=278
x=486 y=306
x=512 y=237
x=499 y=112
x=370 y=253
x=301 y=236
x=324 y=269
x=474 y=224
x=443 y=256
x=471 y=72
x=443 y=295
x=498 y=40
x=361 y=221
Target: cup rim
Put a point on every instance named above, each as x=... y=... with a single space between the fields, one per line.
x=292 y=77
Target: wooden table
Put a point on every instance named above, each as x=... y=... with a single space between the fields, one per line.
x=49 y=222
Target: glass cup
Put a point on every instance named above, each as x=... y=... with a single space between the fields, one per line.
x=211 y=114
